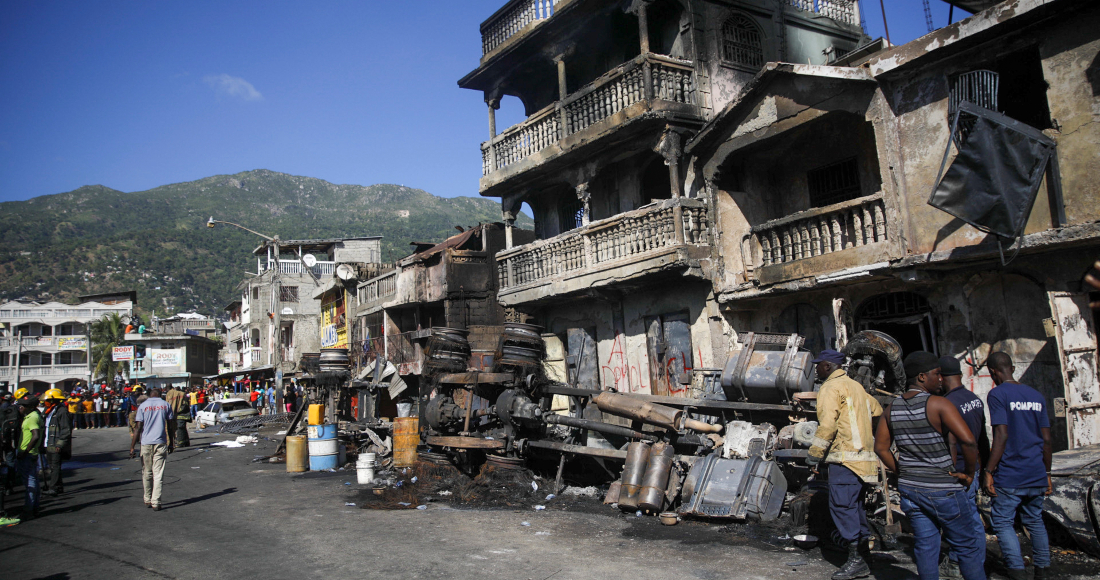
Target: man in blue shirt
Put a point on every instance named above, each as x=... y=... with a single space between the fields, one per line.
x=155 y=425
x=1017 y=475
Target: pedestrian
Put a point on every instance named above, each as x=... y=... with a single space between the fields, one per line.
x=271 y=399
x=154 y=426
x=844 y=440
x=124 y=408
x=1018 y=462
x=76 y=409
x=193 y=398
x=973 y=412
x=933 y=493
x=26 y=457
x=137 y=397
x=73 y=402
x=288 y=399
x=253 y=397
x=177 y=400
x=57 y=443
x=89 y=411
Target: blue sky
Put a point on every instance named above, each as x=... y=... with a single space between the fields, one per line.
x=133 y=95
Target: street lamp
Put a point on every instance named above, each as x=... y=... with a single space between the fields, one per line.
x=276 y=316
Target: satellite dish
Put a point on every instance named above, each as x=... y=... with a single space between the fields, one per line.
x=287 y=311
x=309 y=260
x=345 y=272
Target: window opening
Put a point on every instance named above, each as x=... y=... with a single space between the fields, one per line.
x=288 y=293
x=834 y=183
x=742 y=42
x=571 y=215
x=978 y=87
x=906 y=316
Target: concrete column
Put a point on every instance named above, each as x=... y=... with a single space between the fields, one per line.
x=493 y=103
x=669 y=148
x=643 y=28
x=563 y=91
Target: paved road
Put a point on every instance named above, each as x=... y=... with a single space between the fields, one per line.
x=226 y=517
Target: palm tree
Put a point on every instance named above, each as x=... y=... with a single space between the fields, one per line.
x=107 y=333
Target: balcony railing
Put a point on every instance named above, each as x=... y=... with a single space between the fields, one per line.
x=844 y=11
x=602 y=243
x=320 y=269
x=378 y=287
x=45 y=370
x=844 y=225
x=61 y=312
x=511 y=19
x=669 y=79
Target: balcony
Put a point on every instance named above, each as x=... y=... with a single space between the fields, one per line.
x=667 y=234
x=845 y=11
x=820 y=240
x=66 y=371
x=515 y=17
x=647 y=84
x=182 y=326
x=378 y=288
x=320 y=269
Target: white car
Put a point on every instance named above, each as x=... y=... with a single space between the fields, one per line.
x=224 y=411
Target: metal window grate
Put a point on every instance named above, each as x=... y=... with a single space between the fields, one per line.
x=572 y=215
x=834 y=183
x=288 y=293
x=979 y=87
x=742 y=42
x=893 y=305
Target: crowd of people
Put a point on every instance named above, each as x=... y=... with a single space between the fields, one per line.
x=933 y=439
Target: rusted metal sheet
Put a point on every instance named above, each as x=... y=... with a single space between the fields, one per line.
x=459 y=442
x=471 y=378
x=1077 y=353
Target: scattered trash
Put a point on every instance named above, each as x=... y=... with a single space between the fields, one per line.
x=638 y=514
x=281 y=433
x=347 y=483
x=349 y=504
x=194 y=467
x=525 y=523
x=115 y=468
x=246 y=439
x=795 y=564
x=591 y=491
x=534 y=486
x=539 y=508
x=421 y=507
x=550 y=497
x=404 y=503
x=413 y=479
x=227 y=444
x=444 y=492
x=542 y=533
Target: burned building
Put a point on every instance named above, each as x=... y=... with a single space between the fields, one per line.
x=620 y=275
x=941 y=193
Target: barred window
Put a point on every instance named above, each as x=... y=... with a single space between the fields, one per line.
x=742 y=43
x=288 y=293
x=834 y=183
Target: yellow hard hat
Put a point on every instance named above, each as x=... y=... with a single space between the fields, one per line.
x=53 y=394
x=19 y=394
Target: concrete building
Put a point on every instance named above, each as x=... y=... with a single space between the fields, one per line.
x=187 y=323
x=304 y=267
x=164 y=360
x=819 y=181
x=45 y=344
x=620 y=276
x=231 y=357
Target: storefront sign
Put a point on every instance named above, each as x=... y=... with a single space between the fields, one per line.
x=329 y=336
x=166 y=357
x=72 y=343
x=121 y=353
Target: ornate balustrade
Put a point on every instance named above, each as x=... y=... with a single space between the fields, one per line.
x=511 y=19
x=628 y=235
x=849 y=224
x=669 y=79
x=840 y=10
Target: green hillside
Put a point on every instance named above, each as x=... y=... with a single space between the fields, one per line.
x=97 y=239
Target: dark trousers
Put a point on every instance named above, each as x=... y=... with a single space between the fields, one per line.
x=846 y=491
x=182 y=439
x=79 y=420
x=53 y=473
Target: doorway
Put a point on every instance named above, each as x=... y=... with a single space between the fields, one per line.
x=906 y=316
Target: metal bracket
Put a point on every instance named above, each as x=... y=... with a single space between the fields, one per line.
x=785 y=365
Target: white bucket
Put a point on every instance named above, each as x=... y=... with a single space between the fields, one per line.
x=370 y=458
x=322 y=447
x=364 y=473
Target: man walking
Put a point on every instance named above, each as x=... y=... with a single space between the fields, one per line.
x=155 y=426
x=26 y=457
x=844 y=440
x=177 y=400
x=1017 y=475
x=58 y=441
x=933 y=493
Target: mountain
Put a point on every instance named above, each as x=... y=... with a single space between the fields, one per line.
x=97 y=239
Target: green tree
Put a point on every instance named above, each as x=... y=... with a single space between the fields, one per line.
x=107 y=333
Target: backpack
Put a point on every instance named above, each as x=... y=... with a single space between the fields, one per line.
x=11 y=429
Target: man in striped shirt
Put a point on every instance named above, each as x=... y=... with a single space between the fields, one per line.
x=933 y=494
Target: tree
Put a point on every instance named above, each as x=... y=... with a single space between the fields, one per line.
x=107 y=333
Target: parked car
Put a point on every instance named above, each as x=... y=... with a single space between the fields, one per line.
x=224 y=412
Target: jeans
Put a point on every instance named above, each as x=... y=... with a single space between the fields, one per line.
x=979 y=526
x=28 y=471
x=153 y=458
x=194 y=411
x=120 y=418
x=951 y=512
x=846 y=503
x=1029 y=502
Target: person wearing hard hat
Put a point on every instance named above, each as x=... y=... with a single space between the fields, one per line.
x=26 y=456
x=58 y=441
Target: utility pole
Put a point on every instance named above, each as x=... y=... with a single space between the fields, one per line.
x=18 y=356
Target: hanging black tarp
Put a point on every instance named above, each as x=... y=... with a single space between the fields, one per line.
x=993 y=180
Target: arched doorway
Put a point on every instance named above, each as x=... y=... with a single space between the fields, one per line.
x=906 y=316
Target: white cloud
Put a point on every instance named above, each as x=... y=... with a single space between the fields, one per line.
x=233 y=87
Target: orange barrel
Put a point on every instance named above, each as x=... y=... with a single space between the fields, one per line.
x=406 y=436
x=316 y=414
x=297 y=454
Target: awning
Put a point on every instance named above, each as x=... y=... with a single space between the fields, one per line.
x=248 y=371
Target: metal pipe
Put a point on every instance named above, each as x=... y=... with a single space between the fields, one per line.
x=579 y=449
x=599 y=426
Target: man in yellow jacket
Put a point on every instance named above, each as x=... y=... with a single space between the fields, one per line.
x=845 y=440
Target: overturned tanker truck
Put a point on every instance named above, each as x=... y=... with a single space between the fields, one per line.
x=737 y=452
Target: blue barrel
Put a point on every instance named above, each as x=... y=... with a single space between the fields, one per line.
x=322 y=447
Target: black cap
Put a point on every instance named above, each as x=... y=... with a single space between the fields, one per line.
x=949 y=366
x=920 y=362
x=28 y=401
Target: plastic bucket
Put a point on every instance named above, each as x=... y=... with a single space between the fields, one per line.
x=318 y=432
x=322 y=462
x=316 y=414
x=406 y=436
x=364 y=468
x=322 y=447
x=297 y=458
